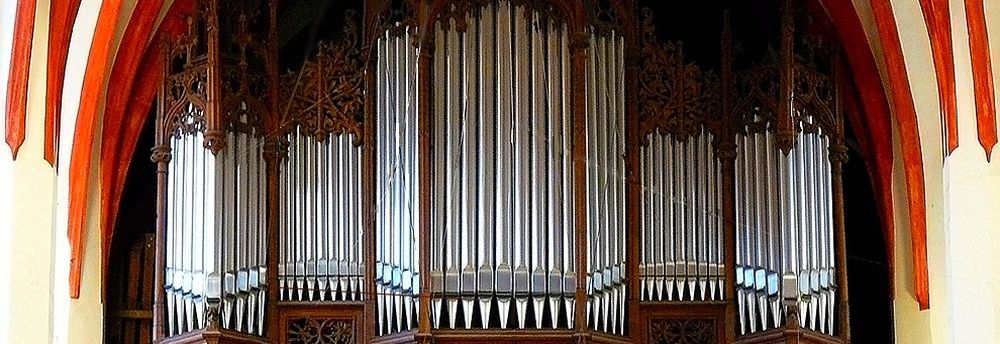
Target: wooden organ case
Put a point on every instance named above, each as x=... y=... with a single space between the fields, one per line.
x=501 y=171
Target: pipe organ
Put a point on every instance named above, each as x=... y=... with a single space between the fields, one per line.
x=490 y=170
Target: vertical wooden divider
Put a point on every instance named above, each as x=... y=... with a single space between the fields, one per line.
x=426 y=152
x=161 y=156
x=838 y=156
x=368 y=158
x=275 y=150
x=578 y=64
x=636 y=325
x=726 y=151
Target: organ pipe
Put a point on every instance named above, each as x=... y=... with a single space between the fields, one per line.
x=396 y=256
x=606 y=182
x=502 y=204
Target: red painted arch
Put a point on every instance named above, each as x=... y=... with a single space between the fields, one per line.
x=17 y=82
x=62 y=16
x=913 y=167
x=982 y=75
x=937 y=16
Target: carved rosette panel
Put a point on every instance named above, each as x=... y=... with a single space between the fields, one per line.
x=320 y=331
x=326 y=96
x=683 y=331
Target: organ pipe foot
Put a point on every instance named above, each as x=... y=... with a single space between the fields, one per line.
x=621 y=308
x=397 y=300
x=485 y=304
x=467 y=304
x=436 y=312
x=762 y=305
x=554 y=303
x=612 y=325
x=522 y=311
x=407 y=312
x=813 y=309
x=776 y=310
x=669 y=289
x=539 y=303
x=380 y=304
x=504 y=307
x=570 y=311
x=452 y=312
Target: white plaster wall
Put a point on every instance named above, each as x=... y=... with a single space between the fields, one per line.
x=32 y=237
x=972 y=196
x=7 y=9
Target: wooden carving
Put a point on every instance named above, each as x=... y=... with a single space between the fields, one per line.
x=814 y=104
x=320 y=331
x=244 y=53
x=327 y=95
x=675 y=96
x=683 y=331
x=605 y=16
x=757 y=90
x=184 y=95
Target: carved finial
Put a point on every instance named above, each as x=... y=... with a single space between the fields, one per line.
x=215 y=140
x=647 y=25
x=161 y=153
x=838 y=156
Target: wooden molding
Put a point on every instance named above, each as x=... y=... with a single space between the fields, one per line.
x=982 y=75
x=909 y=134
x=126 y=110
x=20 y=66
x=62 y=16
x=938 y=19
x=98 y=67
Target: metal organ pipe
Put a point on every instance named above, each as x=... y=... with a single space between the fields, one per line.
x=502 y=209
x=215 y=230
x=682 y=219
x=606 y=182
x=320 y=233
x=396 y=256
x=784 y=230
